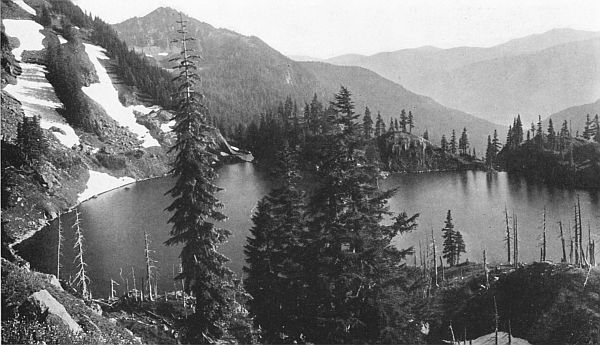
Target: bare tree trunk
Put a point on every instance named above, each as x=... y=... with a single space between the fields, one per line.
x=580 y=230
x=570 y=243
x=485 y=269
x=435 y=267
x=443 y=270
x=496 y=320
x=544 y=236
x=135 y=291
x=562 y=241
x=577 y=262
x=452 y=332
x=507 y=234
x=509 y=333
x=81 y=278
x=59 y=247
x=515 y=239
x=149 y=266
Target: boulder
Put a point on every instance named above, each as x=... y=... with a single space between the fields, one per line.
x=45 y=303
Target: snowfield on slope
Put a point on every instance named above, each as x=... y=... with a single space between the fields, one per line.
x=28 y=33
x=101 y=182
x=33 y=90
x=24 y=6
x=38 y=98
x=107 y=96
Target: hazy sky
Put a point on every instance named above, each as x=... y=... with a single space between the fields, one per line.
x=326 y=28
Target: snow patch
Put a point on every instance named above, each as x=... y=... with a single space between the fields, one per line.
x=148 y=55
x=163 y=54
x=167 y=127
x=24 y=6
x=234 y=148
x=38 y=98
x=107 y=96
x=28 y=33
x=101 y=182
x=61 y=39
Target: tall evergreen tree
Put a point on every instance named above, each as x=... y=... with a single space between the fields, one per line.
x=444 y=143
x=379 y=126
x=367 y=124
x=350 y=255
x=448 y=233
x=410 y=121
x=551 y=135
x=391 y=128
x=464 y=143
x=426 y=134
x=453 y=145
x=403 y=120
x=539 y=133
x=30 y=140
x=496 y=146
x=195 y=208
x=518 y=131
x=396 y=124
x=274 y=267
x=588 y=129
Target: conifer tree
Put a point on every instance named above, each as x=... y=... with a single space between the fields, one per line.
x=588 y=130
x=30 y=140
x=450 y=237
x=518 y=132
x=426 y=134
x=396 y=127
x=379 y=126
x=351 y=259
x=410 y=121
x=195 y=207
x=453 y=145
x=539 y=133
x=551 y=134
x=275 y=269
x=496 y=146
x=391 y=128
x=403 y=120
x=367 y=124
x=444 y=144
x=464 y=143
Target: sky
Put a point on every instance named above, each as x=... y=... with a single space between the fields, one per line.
x=327 y=28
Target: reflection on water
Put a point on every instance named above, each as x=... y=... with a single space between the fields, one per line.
x=114 y=223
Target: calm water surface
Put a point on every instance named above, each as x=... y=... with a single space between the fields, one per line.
x=114 y=223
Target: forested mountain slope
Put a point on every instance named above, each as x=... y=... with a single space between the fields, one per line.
x=242 y=77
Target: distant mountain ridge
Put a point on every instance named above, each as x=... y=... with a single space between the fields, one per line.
x=242 y=76
x=575 y=116
x=537 y=74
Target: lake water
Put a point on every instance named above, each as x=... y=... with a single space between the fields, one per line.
x=114 y=223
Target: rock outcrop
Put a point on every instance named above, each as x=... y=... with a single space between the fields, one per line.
x=43 y=303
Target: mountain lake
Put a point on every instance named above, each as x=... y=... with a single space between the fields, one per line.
x=114 y=223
